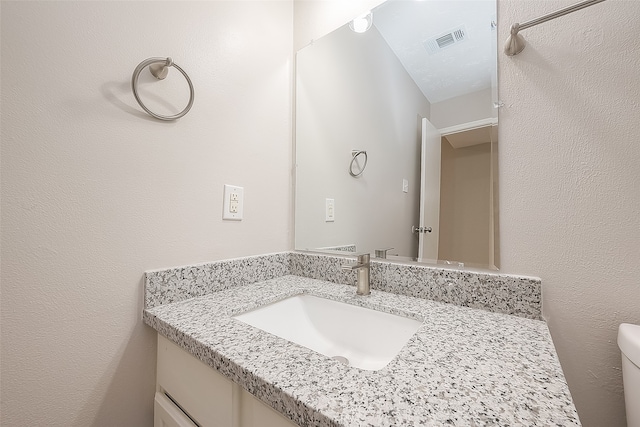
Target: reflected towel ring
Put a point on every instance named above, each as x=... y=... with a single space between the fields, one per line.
x=355 y=154
x=160 y=72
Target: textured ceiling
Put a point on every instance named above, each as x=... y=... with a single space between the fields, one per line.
x=456 y=70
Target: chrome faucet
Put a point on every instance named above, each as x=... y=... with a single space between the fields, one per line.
x=362 y=265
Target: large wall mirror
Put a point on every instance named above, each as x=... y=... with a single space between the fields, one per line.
x=396 y=135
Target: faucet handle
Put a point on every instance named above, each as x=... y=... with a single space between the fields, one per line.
x=362 y=266
x=382 y=253
x=362 y=259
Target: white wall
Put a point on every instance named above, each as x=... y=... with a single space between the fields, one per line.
x=94 y=191
x=462 y=109
x=569 y=179
x=353 y=94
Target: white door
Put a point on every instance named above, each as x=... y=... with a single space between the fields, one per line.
x=429 y=193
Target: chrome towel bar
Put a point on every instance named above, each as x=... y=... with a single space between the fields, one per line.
x=515 y=43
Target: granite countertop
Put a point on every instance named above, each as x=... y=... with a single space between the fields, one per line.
x=464 y=366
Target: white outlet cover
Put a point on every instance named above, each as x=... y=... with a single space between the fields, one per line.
x=233 y=202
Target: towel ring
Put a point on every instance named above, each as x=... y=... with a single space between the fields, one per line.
x=355 y=154
x=160 y=72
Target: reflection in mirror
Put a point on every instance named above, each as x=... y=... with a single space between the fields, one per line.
x=416 y=92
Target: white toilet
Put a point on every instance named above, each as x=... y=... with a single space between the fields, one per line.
x=629 y=343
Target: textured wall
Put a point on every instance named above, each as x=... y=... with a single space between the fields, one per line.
x=94 y=191
x=569 y=179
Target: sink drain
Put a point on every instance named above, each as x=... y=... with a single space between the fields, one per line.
x=341 y=359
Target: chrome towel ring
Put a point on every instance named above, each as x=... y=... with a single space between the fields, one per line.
x=159 y=68
x=355 y=154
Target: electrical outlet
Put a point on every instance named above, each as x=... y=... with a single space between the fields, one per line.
x=233 y=201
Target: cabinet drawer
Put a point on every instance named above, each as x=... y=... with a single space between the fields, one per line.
x=167 y=414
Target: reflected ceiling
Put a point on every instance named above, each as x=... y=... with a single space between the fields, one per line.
x=408 y=26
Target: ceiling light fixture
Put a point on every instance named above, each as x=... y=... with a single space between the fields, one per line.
x=362 y=23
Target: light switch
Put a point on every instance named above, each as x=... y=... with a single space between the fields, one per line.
x=233 y=201
x=330 y=210
x=405 y=185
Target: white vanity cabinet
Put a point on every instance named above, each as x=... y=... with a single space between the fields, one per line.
x=190 y=393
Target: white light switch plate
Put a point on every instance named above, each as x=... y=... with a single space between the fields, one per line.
x=233 y=202
x=330 y=210
x=405 y=185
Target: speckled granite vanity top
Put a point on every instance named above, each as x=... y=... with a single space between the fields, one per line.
x=464 y=366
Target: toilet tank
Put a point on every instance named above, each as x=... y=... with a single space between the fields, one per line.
x=629 y=343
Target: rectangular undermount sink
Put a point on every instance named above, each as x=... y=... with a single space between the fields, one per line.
x=361 y=337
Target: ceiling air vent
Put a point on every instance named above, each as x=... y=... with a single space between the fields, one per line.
x=443 y=41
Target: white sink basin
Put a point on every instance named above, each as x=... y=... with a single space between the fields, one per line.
x=364 y=338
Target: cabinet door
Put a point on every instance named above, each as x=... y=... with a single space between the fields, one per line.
x=210 y=399
x=203 y=393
